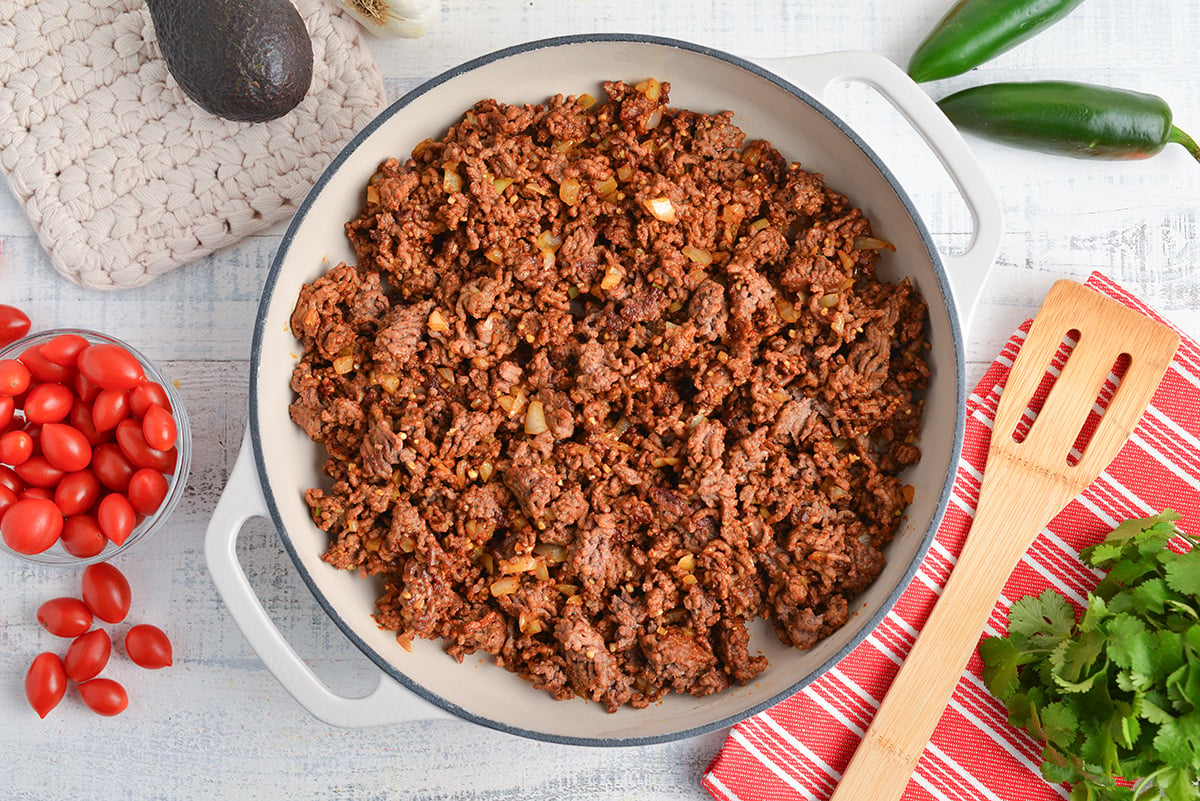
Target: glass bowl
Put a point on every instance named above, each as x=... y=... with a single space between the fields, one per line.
x=57 y=555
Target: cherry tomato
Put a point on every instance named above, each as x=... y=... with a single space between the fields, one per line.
x=44 y=493
x=110 y=407
x=15 y=447
x=116 y=517
x=65 y=447
x=81 y=419
x=104 y=696
x=14 y=324
x=10 y=480
x=37 y=471
x=45 y=683
x=147 y=489
x=43 y=369
x=31 y=525
x=82 y=537
x=85 y=390
x=138 y=451
x=48 y=403
x=88 y=655
x=111 y=366
x=7 y=499
x=106 y=592
x=158 y=427
x=7 y=407
x=64 y=349
x=146 y=394
x=14 y=377
x=77 y=492
x=65 y=617
x=148 y=647
x=111 y=467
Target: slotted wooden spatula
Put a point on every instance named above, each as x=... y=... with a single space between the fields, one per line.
x=1025 y=484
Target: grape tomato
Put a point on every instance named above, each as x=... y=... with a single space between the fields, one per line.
x=65 y=617
x=15 y=447
x=158 y=428
x=111 y=366
x=7 y=407
x=87 y=655
x=31 y=525
x=148 y=646
x=48 y=403
x=104 y=696
x=81 y=419
x=65 y=447
x=145 y=395
x=14 y=377
x=77 y=492
x=63 y=349
x=147 y=490
x=82 y=537
x=110 y=407
x=116 y=517
x=45 y=683
x=7 y=499
x=43 y=369
x=10 y=480
x=106 y=592
x=111 y=467
x=85 y=390
x=36 y=471
x=133 y=444
x=14 y=324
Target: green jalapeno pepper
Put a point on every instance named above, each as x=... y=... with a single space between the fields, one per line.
x=974 y=31
x=1075 y=119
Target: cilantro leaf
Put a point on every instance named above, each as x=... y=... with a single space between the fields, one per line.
x=1040 y=622
x=1130 y=644
x=1001 y=658
x=1183 y=573
x=1178 y=740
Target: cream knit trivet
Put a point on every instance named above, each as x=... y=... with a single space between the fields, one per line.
x=121 y=174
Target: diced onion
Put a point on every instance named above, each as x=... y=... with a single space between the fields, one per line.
x=535 y=419
x=662 y=208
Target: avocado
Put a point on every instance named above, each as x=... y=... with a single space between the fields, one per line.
x=244 y=60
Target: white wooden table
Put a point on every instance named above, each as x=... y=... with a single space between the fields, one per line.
x=218 y=725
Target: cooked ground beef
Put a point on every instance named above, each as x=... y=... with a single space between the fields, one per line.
x=607 y=382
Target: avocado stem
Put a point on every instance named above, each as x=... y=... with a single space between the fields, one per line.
x=1179 y=137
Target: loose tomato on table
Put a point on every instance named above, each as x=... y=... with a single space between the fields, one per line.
x=104 y=696
x=148 y=646
x=87 y=655
x=106 y=592
x=14 y=324
x=45 y=683
x=65 y=617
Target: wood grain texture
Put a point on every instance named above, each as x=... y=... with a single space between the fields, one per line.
x=217 y=725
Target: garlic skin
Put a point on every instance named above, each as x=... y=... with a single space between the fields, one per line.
x=410 y=19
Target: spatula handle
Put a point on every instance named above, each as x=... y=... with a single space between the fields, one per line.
x=885 y=759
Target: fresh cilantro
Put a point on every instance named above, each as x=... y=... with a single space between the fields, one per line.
x=1115 y=696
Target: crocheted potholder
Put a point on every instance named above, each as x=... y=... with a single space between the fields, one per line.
x=121 y=174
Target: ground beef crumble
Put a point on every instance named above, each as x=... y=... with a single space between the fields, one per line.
x=608 y=382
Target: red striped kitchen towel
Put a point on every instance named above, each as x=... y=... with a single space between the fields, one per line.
x=798 y=748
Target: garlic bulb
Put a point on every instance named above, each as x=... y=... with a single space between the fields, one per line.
x=387 y=18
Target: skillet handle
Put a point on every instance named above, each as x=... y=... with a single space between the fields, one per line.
x=241 y=500
x=967 y=270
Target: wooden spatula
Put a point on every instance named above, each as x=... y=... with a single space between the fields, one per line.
x=1025 y=484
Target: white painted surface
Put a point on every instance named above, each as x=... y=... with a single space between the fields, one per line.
x=218 y=725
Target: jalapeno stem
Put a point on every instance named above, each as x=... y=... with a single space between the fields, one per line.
x=1179 y=137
